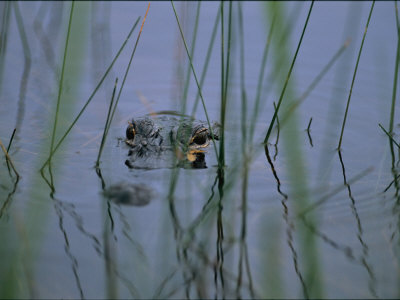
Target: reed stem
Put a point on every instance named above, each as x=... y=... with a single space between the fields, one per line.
x=288 y=77
x=197 y=81
x=354 y=76
x=61 y=80
x=8 y=158
x=107 y=124
x=396 y=70
x=92 y=95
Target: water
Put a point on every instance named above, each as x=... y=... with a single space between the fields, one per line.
x=74 y=244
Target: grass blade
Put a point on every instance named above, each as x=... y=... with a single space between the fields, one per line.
x=314 y=83
x=197 y=81
x=207 y=60
x=354 y=75
x=8 y=158
x=389 y=135
x=92 y=95
x=288 y=76
x=60 y=88
x=192 y=47
x=107 y=125
x=396 y=70
x=128 y=67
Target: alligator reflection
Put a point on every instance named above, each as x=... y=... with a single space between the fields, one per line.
x=110 y=258
x=365 y=254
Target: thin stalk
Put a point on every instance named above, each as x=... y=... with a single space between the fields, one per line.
x=396 y=70
x=92 y=95
x=195 y=77
x=278 y=124
x=61 y=80
x=9 y=146
x=128 y=67
x=242 y=81
x=8 y=158
x=354 y=76
x=309 y=125
x=192 y=47
x=107 y=124
x=260 y=80
x=288 y=77
x=207 y=60
x=389 y=135
x=11 y=139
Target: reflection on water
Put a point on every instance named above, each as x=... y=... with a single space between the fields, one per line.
x=199 y=231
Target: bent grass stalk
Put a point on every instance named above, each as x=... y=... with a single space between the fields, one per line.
x=92 y=95
x=354 y=76
x=107 y=125
x=389 y=135
x=197 y=81
x=288 y=77
x=8 y=158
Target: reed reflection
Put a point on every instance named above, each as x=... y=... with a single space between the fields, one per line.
x=360 y=232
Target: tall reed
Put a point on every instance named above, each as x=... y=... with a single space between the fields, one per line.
x=92 y=94
x=354 y=76
x=288 y=76
x=60 y=86
x=396 y=70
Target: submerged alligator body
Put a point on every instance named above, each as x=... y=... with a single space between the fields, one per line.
x=166 y=141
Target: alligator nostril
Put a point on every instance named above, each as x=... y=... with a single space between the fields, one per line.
x=144 y=143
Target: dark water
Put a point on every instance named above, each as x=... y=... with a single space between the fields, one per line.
x=73 y=243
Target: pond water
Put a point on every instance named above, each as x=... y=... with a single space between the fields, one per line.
x=303 y=221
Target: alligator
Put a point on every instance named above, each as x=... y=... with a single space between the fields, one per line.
x=161 y=141
x=166 y=141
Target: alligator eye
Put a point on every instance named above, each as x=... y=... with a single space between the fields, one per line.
x=200 y=138
x=130 y=131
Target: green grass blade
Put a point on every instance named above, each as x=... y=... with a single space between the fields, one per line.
x=288 y=76
x=207 y=60
x=127 y=68
x=242 y=80
x=389 y=135
x=192 y=48
x=354 y=76
x=8 y=158
x=60 y=88
x=107 y=124
x=315 y=82
x=93 y=93
x=197 y=81
x=260 y=80
x=396 y=70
